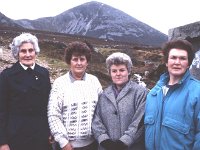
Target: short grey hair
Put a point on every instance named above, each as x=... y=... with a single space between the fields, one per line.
x=23 y=38
x=119 y=58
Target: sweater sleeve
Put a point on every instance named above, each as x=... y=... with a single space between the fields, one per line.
x=136 y=128
x=55 y=114
x=3 y=108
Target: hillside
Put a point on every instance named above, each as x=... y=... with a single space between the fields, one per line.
x=145 y=59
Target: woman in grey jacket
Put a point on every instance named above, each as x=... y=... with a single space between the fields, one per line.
x=118 y=118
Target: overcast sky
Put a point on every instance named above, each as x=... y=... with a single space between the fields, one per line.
x=159 y=14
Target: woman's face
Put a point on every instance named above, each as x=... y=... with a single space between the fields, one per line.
x=119 y=74
x=27 y=54
x=78 y=65
x=177 y=63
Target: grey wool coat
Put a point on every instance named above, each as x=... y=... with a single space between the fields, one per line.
x=121 y=118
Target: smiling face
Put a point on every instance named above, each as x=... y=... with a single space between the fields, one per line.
x=78 y=65
x=27 y=54
x=177 y=63
x=119 y=75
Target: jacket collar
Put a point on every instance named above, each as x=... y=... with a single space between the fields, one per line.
x=16 y=68
x=25 y=67
x=164 y=78
x=111 y=96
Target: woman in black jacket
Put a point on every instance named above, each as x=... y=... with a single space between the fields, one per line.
x=24 y=92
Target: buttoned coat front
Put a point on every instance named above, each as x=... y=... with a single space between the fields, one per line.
x=121 y=118
x=23 y=108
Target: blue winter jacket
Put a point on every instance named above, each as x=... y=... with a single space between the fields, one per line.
x=172 y=122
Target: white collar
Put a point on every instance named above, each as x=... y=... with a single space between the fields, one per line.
x=25 y=67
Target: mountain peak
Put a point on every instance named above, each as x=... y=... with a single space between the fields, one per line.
x=98 y=20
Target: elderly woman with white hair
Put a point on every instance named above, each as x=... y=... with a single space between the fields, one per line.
x=24 y=92
x=118 y=118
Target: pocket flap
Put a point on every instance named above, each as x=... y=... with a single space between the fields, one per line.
x=176 y=125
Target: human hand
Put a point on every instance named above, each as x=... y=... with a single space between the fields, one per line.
x=108 y=144
x=4 y=147
x=51 y=139
x=68 y=147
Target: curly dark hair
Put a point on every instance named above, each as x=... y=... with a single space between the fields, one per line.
x=78 y=49
x=179 y=44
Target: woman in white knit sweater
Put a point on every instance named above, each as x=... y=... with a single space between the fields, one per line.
x=72 y=101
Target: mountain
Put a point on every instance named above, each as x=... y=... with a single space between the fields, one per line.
x=98 y=20
x=5 y=21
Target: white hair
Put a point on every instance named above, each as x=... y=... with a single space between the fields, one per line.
x=119 y=58
x=23 y=38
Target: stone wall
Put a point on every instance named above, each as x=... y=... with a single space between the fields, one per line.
x=190 y=32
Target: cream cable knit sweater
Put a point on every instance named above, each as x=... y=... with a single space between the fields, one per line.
x=71 y=108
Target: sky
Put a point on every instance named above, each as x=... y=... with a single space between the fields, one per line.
x=159 y=14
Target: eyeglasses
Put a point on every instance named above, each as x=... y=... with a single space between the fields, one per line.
x=24 y=51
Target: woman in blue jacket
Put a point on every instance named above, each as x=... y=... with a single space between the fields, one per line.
x=172 y=114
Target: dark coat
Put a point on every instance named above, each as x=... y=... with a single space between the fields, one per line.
x=23 y=108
